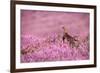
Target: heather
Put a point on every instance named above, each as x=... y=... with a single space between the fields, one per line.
x=34 y=49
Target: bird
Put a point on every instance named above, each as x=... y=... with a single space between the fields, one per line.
x=71 y=40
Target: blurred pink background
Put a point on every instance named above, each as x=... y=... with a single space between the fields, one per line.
x=43 y=23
